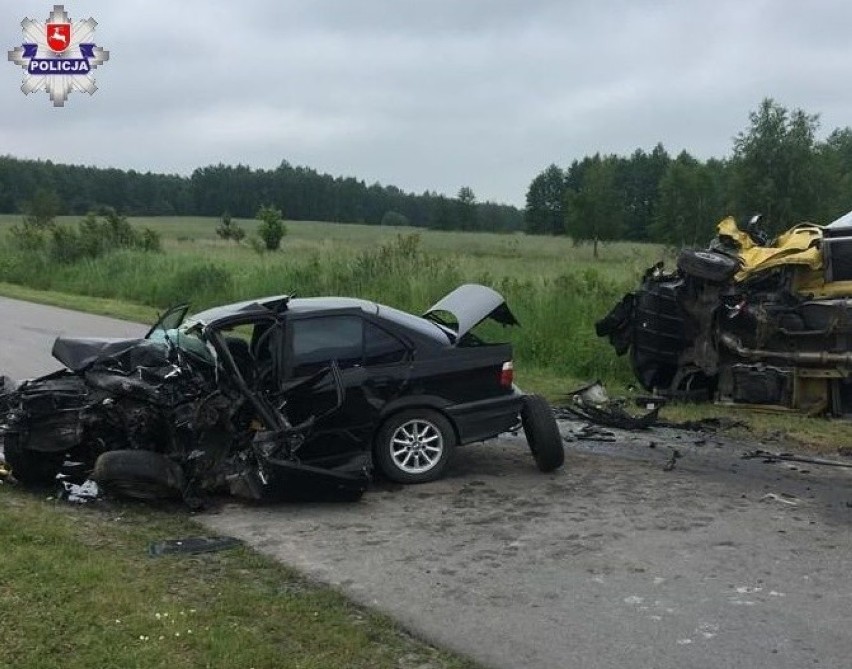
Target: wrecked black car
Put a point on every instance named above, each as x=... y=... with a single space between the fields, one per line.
x=746 y=322
x=276 y=395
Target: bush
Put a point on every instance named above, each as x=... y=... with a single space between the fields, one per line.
x=272 y=228
x=93 y=237
x=27 y=237
x=229 y=230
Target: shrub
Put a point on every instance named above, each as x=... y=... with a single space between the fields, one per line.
x=93 y=237
x=272 y=228
x=27 y=237
x=229 y=230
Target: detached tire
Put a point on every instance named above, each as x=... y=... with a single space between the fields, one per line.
x=30 y=467
x=708 y=265
x=542 y=433
x=414 y=446
x=139 y=474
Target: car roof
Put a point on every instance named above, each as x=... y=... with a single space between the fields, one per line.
x=258 y=307
x=304 y=305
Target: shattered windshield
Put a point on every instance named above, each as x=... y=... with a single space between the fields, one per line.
x=187 y=339
x=171 y=319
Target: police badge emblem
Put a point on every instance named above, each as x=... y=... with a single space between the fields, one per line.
x=59 y=56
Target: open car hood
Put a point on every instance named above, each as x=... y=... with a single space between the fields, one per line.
x=469 y=305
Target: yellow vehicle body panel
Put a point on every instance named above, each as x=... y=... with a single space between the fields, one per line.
x=800 y=245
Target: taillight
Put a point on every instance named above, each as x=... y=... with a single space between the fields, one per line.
x=507 y=374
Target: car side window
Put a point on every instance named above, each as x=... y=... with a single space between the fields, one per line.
x=318 y=341
x=381 y=347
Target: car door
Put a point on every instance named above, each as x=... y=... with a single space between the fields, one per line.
x=312 y=343
x=374 y=367
x=388 y=360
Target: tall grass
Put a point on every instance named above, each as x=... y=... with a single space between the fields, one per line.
x=556 y=301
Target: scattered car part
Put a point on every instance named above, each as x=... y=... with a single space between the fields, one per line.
x=591 y=432
x=542 y=433
x=192 y=546
x=80 y=493
x=672 y=461
x=770 y=457
x=593 y=403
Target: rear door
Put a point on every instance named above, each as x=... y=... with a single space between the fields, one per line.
x=375 y=366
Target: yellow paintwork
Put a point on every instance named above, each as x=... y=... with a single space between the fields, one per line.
x=800 y=245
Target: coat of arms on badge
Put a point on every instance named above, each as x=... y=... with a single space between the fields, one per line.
x=58 y=36
x=59 y=56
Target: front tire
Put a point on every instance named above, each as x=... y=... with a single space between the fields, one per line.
x=414 y=446
x=139 y=474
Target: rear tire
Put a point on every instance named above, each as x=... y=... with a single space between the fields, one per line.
x=414 y=446
x=30 y=467
x=542 y=433
x=139 y=474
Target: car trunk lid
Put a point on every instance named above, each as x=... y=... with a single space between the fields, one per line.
x=469 y=305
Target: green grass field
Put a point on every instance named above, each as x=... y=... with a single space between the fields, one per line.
x=556 y=289
x=499 y=255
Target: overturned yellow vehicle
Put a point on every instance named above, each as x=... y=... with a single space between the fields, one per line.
x=747 y=321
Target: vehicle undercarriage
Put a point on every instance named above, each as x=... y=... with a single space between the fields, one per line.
x=746 y=323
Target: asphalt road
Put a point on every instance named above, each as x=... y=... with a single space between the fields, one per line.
x=610 y=562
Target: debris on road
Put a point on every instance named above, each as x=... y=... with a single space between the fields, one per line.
x=672 y=461
x=192 y=546
x=81 y=493
x=709 y=424
x=590 y=432
x=783 y=498
x=770 y=457
x=593 y=403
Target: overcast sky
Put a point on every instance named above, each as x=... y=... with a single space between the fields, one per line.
x=426 y=94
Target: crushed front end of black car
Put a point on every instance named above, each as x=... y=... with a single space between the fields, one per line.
x=746 y=322
x=154 y=418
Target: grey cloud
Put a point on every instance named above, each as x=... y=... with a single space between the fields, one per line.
x=433 y=94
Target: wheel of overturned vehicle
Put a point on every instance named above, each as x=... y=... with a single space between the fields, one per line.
x=414 y=446
x=30 y=467
x=139 y=474
x=708 y=265
x=542 y=433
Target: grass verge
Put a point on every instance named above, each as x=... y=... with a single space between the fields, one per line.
x=78 y=590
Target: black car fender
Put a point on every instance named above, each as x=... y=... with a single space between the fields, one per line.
x=417 y=401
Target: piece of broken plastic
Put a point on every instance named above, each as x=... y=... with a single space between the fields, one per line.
x=192 y=545
x=82 y=493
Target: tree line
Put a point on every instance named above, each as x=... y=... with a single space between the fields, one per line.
x=778 y=168
x=300 y=193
